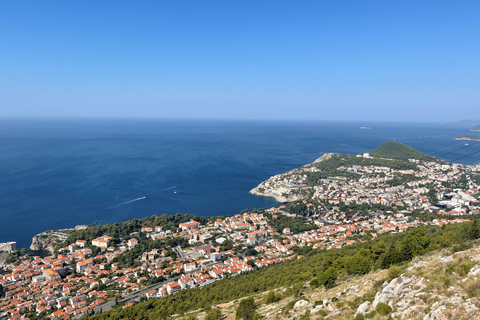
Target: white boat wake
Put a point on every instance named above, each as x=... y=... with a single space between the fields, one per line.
x=127 y=202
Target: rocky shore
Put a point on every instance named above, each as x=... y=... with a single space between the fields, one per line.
x=47 y=240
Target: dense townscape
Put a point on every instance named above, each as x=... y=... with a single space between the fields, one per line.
x=86 y=276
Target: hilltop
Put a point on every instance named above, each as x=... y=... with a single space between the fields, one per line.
x=400 y=151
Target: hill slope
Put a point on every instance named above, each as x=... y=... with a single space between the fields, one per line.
x=431 y=286
x=441 y=285
x=400 y=151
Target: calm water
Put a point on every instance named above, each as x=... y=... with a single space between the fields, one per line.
x=60 y=173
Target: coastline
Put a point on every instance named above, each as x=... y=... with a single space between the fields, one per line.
x=46 y=241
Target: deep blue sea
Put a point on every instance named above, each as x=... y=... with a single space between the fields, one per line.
x=60 y=173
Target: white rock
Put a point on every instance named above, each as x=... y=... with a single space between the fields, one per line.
x=300 y=304
x=316 y=309
x=475 y=271
x=354 y=289
x=363 y=308
x=435 y=314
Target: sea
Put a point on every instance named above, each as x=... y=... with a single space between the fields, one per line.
x=59 y=173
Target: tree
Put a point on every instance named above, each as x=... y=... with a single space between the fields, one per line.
x=358 y=265
x=246 y=310
x=473 y=230
x=329 y=277
x=214 y=314
x=272 y=297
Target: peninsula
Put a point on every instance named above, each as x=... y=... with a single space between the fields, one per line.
x=394 y=162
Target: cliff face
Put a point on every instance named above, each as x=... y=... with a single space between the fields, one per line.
x=43 y=242
x=3 y=265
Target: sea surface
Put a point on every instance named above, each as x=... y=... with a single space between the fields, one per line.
x=61 y=173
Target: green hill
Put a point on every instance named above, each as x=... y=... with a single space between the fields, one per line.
x=400 y=151
x=476 y=128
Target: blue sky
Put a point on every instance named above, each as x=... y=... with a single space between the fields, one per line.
x=316 y=60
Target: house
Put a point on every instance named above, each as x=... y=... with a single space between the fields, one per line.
x=84 y=264
x=173 y=287
x=188 y=267
x=101 y=242
x=81 y=243
x=132 y=243
x=189 y=225
x=185 y=282
x=216 y=273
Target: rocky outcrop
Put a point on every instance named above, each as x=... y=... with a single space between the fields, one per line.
x=43 y=242
x=48 y=239
x=324 y=157
x=300 y=304
x=282 y=194
x=3 y=265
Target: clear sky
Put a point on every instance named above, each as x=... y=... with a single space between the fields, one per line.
x=318 y=60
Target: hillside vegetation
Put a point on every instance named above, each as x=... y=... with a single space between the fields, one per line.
x=400 y=151
x=476 y=128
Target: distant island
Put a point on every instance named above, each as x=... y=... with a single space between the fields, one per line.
x=468 y=137
x=476 y=128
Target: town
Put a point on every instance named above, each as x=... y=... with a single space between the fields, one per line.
x=94 y=276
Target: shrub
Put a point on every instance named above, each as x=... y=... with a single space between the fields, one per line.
x=214 y=314
x=394 y=272
x=383 y=309
x=473 y=288
x=359 y=317
x=272 y=297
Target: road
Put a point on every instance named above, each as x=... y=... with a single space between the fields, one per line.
x=134 y=296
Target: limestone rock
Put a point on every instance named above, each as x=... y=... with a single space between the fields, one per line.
x=300 y=304
x=363 y=308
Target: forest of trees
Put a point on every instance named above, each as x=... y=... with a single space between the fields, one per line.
x=321 y=267
x=400 y=151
